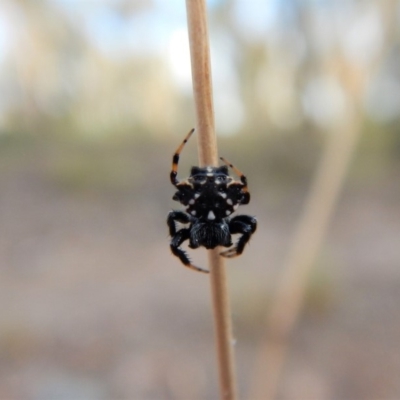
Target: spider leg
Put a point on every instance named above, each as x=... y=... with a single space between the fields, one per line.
x=245 y=225
x=179 y=216
x=243 y=182
x=240 y=174
x=177 y=240
x=175 y=159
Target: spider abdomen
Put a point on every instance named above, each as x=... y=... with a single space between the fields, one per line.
x=210 y=234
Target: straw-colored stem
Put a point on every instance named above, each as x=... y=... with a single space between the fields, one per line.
x=208 y=155
x=202 y=85
x=313 y=224
x=308 y=238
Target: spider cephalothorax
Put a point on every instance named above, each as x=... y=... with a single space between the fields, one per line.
x=210 y=196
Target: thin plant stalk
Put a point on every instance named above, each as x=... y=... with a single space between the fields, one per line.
x=312 y=227
x=208 y=155
x=310 y=233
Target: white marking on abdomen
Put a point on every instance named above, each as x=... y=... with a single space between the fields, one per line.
x=211 y=215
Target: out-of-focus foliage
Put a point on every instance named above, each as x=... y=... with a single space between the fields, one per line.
x=100 y=68
x=103 y=70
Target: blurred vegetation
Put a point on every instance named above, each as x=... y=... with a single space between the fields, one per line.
x=61 y=85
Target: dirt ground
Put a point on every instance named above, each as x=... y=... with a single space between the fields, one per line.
x=94 y=306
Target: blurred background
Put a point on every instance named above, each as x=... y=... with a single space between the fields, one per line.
x=95 y=96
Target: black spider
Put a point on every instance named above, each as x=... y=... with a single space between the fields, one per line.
x=210 y=196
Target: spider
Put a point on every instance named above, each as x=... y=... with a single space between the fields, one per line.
x=210 y=196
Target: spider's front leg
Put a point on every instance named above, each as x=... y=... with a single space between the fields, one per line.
x=238 y=192
x=245 y=225
x=178 y=237
x=175 y=159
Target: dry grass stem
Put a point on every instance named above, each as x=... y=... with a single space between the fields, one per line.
x=312 y=227
x=308 y=239
x=208 y=155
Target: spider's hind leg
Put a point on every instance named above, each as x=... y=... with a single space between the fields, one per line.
x=179 y=216
x=245 y=225
x=176 y=241
x=178 y=237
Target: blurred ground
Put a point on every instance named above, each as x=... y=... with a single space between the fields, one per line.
x=93 y=306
